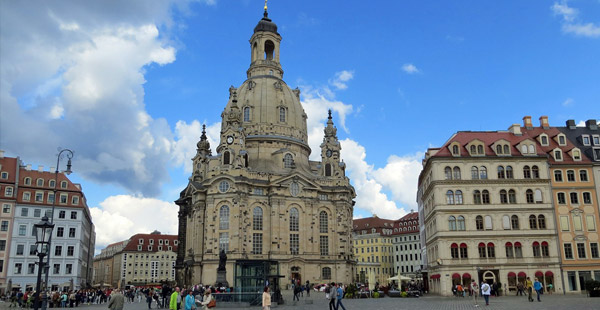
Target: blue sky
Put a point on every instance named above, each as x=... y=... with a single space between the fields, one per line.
x=127 y=85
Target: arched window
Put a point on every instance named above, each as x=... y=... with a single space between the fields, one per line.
x=27 y=181
x=454 y=250
x=500 y=172
x=488 y=222
x=532 y=222
x=294 y=219
x=483 y=173
x=514 y=221
x=460 y=223
x=474 y=173
x=491 y=251
x=326 y=273
x=327 y=170
x=524 y=149
x=506 y=150
x=269 y=49
x=529 y=196
x=498 y=149
x=518 y=250
x=282 y=114
x=535 y=172
x=545 y=249
x=226 y=160
x=531 y=149
x=288 y=161
x=538 y=196
x=477 y=197
x=456 y=173
x=40 y=182
x=458 y=197
x=480 y=149
x=257 y=218
x=509 y=172
x=512 y=196
x=509 y=250
x=503 y=196
x=481 y=248
x=224 y=217
x=485 y=197
x=473 y=149
x=246 y=114
x=455 y=149
x=452 y=223
x=541 y=221
x=526 y=172
x=450 y=197
x=323 y=222
x=448 y=173
x=463 y=250
x=506 y=222
x=479 y=222
x=536 y=249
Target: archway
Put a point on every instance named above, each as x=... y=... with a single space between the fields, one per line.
x=296 y=277
x=489 y=277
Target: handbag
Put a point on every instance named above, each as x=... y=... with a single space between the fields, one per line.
x=212 y=303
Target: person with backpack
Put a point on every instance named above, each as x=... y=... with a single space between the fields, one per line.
x=340 y=296
x=485 y=291
x=537 y=286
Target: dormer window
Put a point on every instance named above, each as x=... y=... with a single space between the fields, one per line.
x=454 y=148
x=562 y=140
x=576 y=153
x=596 y=139
x=544 y=140
x=585 y=139
x=531 y=149
x=476 y=148
x=480 y=149
x=502 y=149
x=558 y=155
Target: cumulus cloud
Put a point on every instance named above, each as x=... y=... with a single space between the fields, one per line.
x=186 y=138
x=410 y=69
x=72 y=72
x=400 y=175
x=119 y=217
x=340 y=79
x=571 y=23
x=569 y=102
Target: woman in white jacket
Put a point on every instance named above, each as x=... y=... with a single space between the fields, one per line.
x=207 y=299
x=266 y=299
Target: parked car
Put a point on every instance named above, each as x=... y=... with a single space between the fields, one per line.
x=320 y=287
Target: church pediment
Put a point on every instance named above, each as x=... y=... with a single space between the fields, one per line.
x=299 y=178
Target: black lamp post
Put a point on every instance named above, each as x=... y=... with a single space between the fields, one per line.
x=43 y=232
x=69 y=154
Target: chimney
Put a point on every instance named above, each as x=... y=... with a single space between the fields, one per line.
x=28 y=167
x=52 y=169
x=544 y=122
x=515 y=129
x=1 y=154
x=527 y=122
x=40 y=168
x=591 y=124
x=571 y=124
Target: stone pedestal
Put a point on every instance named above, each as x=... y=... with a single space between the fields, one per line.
x=222 y=278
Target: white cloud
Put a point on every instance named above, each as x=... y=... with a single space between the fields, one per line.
x=569 y=102
x=186 y=138
x=564 y=10
x=119 y=217
x=571 y=23
x=340 y=79
x=584 y=30
x=400 y=175
x=410 y=69
x=74 y=71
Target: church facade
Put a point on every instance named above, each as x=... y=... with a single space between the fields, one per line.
x=277 y=215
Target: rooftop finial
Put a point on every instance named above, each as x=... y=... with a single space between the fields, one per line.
x=265 y=5
x=329 y=114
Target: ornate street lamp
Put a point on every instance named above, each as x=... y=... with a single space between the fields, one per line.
x=69 y=154
x=43 y=232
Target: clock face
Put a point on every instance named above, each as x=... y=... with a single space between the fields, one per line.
x=329 y=153
x=229 y=139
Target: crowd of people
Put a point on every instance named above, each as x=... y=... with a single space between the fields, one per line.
x=58 y=299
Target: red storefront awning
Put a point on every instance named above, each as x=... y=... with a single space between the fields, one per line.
x=466 y=275
x=435 y=276
x=539 y=274
x=512 y=275
x=455 y=276
x=522 y=275
x=549 y=273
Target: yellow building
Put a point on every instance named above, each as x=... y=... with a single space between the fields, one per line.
x=372 y=238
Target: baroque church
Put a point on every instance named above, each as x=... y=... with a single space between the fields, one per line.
x=275 y=214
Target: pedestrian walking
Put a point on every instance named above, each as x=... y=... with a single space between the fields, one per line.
x=173 y=301
x=340 y=296
x=485 y=292
x=149 y=299
x=537 y=286
x=117 y=301
x=266 y=299
x=332 y=296
x=474 y=291
x=208 y=301
x=529 y=287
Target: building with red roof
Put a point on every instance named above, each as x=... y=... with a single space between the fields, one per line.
x=486 y=203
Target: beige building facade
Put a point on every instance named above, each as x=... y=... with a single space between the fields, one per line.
x=486 y=199
x=276 y=214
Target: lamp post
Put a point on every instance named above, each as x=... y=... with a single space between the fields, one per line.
x=62 y=153
x=43 y=232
